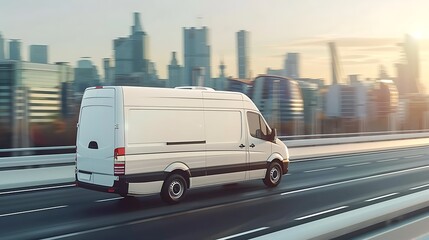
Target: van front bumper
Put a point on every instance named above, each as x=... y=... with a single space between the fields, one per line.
x=285 y=166
x=119 y=187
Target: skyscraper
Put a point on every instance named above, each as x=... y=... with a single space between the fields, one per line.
x=292 y=65
x=175 y=72
x=408 y=72
x=15 y=50
x=131 y=54
x=85 y=75
x=39 y=54
x=2 y=54
x=197 y=57
x=243 y=54
x=337 y=73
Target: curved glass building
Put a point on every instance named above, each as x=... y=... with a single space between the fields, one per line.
x=280 y=101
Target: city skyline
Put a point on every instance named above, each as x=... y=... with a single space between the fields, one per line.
x=364 y=41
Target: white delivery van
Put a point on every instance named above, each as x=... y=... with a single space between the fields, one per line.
x=138 y=140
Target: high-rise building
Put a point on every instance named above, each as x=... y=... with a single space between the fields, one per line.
x=292 y=65
x=31 y=95
x=85 y=75
x=39 y=54
x=108 y=71
x=243 y=54
x=280 y=101
x=337 y=74
x=408 y=72
x=175 y=72
x=15 y=50
x=131 y=53
x=197 y=69
x=2 y=53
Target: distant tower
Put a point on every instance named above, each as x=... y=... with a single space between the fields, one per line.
x=175 y=72
x=222 y=69
x=220 y=83
x=15 y=50
x=243 y=54
x=108 y=71
x=408 y=71
x=2 y=54
x=197 y=69
x=292 y=65
x=39 y=54
x=131 y=54
x=337 y=73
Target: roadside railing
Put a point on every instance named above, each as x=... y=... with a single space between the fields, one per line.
x=292 y=141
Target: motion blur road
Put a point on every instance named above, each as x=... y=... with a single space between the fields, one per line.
x=313 y=189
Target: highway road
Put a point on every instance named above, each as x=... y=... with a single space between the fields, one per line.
x=313 y=189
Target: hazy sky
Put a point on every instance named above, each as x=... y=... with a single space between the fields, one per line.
x=366 y=31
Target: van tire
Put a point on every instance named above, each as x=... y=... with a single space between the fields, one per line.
x=174 y=189
x=273 y=175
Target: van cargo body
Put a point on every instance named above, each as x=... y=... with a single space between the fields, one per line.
x=138 y=140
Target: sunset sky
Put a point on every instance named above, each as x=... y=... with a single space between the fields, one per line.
x=367 y=32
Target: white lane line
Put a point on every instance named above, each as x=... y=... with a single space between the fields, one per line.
x=414 y=156
x=152 y=219
x=380 y=197
x=321 y=169
x=31 y=211
x=320 y=213
x=357 y=164
x=36 y=189
x=354 y=180
x=388 y=160
x=418 y=187
x=109 y=199
x=243 y=233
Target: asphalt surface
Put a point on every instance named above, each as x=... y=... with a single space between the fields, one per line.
x=313 y=189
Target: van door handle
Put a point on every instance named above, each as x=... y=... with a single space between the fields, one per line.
x=93 y=145
x=241 y=146
x=252 y=145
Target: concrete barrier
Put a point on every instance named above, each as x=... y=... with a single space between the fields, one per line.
x=354 y=220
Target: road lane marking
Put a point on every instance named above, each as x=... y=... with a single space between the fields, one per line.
x=318 y=170
x=31 y=211
x=418 y=187
x=320 y=213
x=357 y=164
x=109 y=199
x=388 y=160
x=414 y=156
x=37 y=189
x=354 y=180
x=380 y=197
x=243 y=233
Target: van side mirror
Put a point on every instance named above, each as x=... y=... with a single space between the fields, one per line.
x=273 y=135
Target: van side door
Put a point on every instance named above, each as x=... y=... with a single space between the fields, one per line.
x=225 y=147
x=258 y=146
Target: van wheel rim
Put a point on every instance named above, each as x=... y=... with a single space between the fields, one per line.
x=274 y=175
x=175 y=189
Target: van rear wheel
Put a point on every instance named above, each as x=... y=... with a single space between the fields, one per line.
x=273 y=175
x=174 y=189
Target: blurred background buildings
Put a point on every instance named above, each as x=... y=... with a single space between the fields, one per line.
x=39 y=100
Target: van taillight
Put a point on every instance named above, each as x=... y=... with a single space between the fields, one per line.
x=119 y=169
x=98 y=87
x=119 y=152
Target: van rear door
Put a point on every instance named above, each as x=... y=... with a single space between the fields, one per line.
x=96 y=136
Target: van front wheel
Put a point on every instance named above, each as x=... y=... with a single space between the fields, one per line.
x=273 y=175
x=174 y=189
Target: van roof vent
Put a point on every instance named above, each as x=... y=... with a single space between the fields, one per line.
x=195 y=88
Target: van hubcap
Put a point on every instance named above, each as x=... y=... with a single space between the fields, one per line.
x=274 y=175
x=175 y=189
